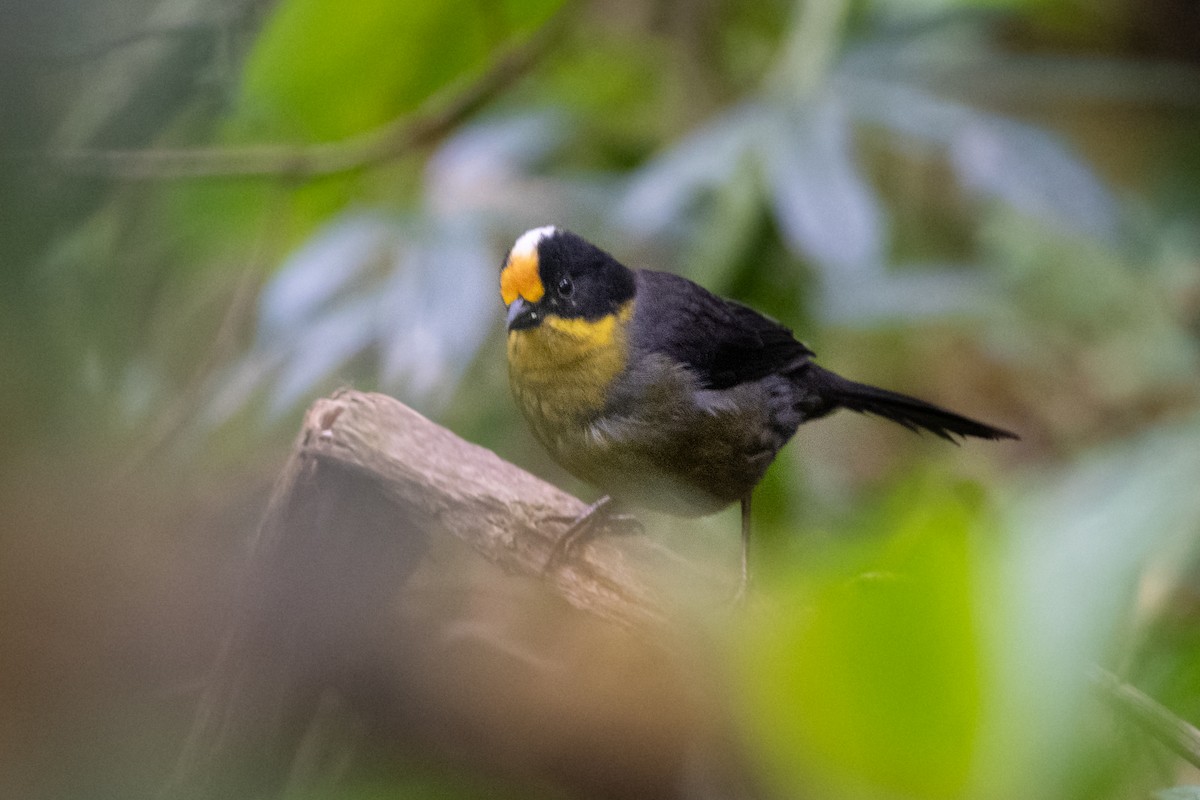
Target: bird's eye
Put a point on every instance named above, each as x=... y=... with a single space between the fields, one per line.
x=565 y=287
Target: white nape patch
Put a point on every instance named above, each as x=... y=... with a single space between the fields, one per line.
x=528 y=241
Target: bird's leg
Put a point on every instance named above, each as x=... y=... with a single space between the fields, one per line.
x=595 y=519
x=744 y=583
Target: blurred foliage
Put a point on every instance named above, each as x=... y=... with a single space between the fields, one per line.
x=877 y=683
x=991 y=203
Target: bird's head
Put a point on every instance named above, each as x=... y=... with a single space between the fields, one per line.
x=553 y=275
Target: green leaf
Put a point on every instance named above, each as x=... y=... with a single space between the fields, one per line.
x=1065 y=582
x=872 y=682
x=322 y=70
x=663 y=192
x=421 y=299
x=825 y=208
x=1031 y=169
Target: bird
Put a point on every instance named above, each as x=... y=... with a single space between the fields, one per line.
x=661 y=394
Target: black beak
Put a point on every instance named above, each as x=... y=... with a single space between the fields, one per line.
x=522 y=315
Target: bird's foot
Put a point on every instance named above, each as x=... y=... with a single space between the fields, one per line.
x=598 y=518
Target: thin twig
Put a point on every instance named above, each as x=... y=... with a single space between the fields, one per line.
x=303 y=161
x=1150 y=715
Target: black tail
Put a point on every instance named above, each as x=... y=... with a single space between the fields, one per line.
x=836 y=392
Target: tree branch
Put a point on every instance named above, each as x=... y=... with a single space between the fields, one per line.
x=510 y=517
x=369 y=490
x=302 y=161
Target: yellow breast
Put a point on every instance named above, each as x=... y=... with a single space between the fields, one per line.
x=561 y=370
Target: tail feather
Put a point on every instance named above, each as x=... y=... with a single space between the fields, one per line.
x=916 y=415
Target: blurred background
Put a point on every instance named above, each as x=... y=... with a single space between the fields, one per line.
x=213 y=212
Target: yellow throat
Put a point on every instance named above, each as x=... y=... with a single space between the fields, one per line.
x=562 y=369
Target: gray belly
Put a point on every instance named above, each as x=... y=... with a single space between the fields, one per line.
x=668 y=446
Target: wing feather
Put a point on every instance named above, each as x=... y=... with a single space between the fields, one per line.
x=723 y=342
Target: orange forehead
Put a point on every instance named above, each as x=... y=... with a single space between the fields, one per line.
x=520 y=278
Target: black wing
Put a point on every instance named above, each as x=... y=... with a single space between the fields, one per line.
x=724 y=342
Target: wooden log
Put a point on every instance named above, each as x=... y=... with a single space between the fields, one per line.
x=369 y=489
x=510 y=517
